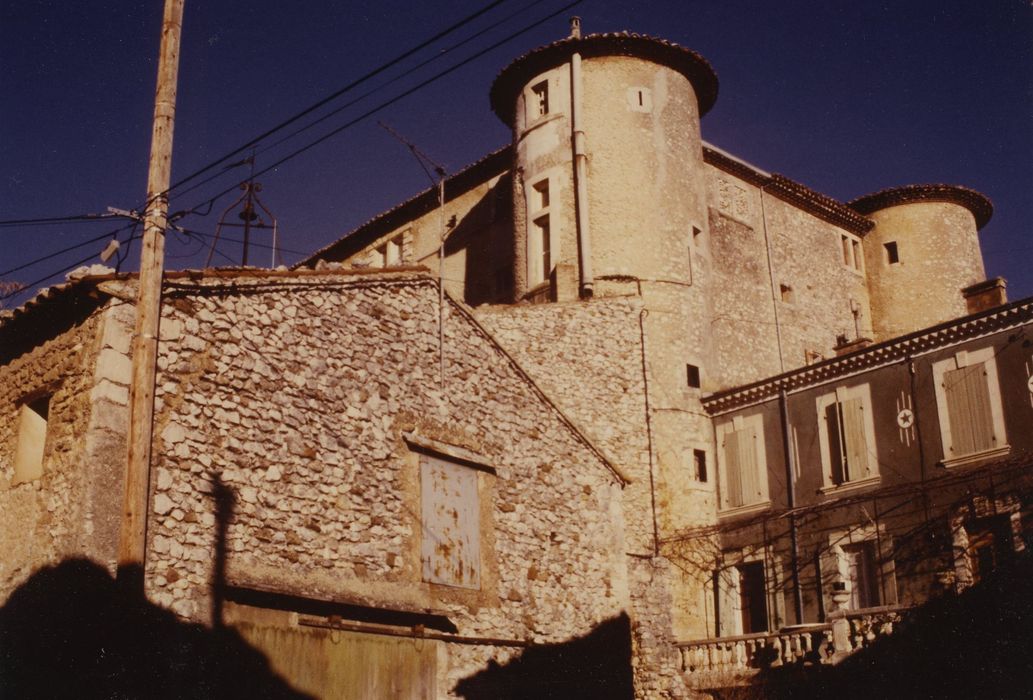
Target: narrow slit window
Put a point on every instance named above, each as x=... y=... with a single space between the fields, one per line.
x=787 y=293
x=892 y=254
x=699 y=464
x=846 y=251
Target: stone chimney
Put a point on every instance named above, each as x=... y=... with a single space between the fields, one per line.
x=985 y=295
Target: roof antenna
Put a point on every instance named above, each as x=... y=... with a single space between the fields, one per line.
x=575 y=27
x=250 y=218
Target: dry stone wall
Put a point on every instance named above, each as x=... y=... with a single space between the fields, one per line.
x=72 y=509
x=295 y=394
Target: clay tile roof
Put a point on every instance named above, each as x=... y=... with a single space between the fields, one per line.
x=687 y=62
x=980 y=206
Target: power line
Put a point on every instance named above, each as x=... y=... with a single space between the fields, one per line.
x=75 y=218
x=334 y=95
x=59 y=252
x=391 y=101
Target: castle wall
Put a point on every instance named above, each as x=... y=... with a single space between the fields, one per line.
x=806 y=287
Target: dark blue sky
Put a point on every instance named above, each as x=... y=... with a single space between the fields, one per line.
x=846 y=97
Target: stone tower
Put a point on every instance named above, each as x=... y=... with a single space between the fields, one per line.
x=610 y=199
x=921 y=254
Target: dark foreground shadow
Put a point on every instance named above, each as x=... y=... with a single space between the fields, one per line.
x=596 y=666
x=72 y=631
x=978 y=644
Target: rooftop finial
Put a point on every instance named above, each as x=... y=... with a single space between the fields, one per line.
x=575 y=27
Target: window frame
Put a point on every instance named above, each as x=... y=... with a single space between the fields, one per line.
x=838 y=396
x=541 y=208
x=737 y=423
x=851 y=252
x=960 y=360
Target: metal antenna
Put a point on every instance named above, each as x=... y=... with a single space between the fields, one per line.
x=248 y=215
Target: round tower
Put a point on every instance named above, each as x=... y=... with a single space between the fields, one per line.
x=608 y=162
x=921 y=254
x=609 y=199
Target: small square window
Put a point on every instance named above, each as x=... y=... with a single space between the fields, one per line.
x=692 y=375
x=540 y=104
x=892 y=255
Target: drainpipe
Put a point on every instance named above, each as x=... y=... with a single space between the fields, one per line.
x=787 y=454
x=580 y=166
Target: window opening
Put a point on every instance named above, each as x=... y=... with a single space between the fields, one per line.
x=892 y=255
x=692 y=374
x=787 y=293
x=863 y=574
x=32 y=439
x=753 y=597
x=541 y=98
x=699 y=464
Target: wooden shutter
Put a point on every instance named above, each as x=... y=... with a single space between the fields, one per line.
x=747 y=438
x=451 y=550
x=733 y=480
x=968 y=409
x=834 y=430
x=855 y=446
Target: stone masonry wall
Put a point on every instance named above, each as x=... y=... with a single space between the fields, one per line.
x=295 y=394
x=72 y=510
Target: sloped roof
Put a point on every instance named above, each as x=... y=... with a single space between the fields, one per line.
x=977 y=203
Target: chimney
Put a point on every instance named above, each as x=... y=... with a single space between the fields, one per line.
x=985 y=295
x=575 y=27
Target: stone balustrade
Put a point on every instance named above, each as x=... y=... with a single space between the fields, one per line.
x=731 y=661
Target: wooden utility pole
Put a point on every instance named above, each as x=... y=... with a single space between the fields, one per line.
x=133 y=535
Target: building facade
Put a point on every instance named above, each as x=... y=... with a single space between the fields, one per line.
x=661 y=384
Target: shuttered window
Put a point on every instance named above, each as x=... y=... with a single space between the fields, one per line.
x=451 y=548
x=847 y=435
x=848 y=445
x=743 y=480
x=968 y=399
x=968 y=408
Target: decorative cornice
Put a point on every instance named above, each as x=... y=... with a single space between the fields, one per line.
x=822 y=206
x=512 y=78
x=894 y=350
x=977 y=203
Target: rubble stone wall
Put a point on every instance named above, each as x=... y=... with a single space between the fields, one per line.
x=72 y=509
x=296 y=394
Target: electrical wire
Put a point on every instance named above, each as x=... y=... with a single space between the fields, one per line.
x=337 y=93
x=387 y=103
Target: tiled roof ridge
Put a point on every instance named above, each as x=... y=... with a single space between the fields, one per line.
x=976 y=202
x=820 y=205
x=686 y=61
x=891 y=350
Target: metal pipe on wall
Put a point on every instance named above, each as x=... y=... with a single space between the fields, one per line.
x=580 y=167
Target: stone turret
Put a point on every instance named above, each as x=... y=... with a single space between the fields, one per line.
x=922 y=254
x=643 y=190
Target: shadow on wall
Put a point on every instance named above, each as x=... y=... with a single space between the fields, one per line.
x=978 y=644
x=596 y=666
x=72 y=631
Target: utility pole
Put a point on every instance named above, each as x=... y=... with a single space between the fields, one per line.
x=133 y=535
